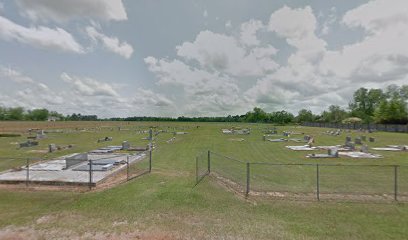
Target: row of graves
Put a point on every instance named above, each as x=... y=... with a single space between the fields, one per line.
x=353 y=149
x=271 y=136
x=236 y=131
x=76 y=168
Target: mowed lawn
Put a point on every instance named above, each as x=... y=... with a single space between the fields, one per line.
x=166 y=205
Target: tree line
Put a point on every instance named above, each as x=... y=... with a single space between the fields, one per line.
x=367 y=106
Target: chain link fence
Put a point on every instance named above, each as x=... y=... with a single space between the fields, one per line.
x=89 y=173
x=308 y=181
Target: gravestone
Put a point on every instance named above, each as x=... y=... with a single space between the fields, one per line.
x=348 y=139
x=125 y=145
x=306 y=137
x=264 y=137
x=364 y=148
x=350 y=145
x=357 y=141
x=333 y=152
x=371 y=139
x=364 y=138
x=52 y=148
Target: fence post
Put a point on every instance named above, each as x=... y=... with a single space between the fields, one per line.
x=150 y=160
x=127 y=168
x=209 y=161
x=28 y=171
x=396 y=183
x=317 y=183
x=90 y=175
x=247 y=178
x=196 y=169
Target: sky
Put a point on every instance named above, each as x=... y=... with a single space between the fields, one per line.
x=119 y=58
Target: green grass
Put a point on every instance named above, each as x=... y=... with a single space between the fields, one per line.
x=167 y=201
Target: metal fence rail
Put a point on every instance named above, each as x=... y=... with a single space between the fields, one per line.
x=136 y=165
x=312 y=181
x=373 y=126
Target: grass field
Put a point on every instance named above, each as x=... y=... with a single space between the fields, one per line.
x=166 y=205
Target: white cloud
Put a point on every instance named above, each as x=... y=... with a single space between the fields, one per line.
x=148 y=97
x=223 y=53
x=32 y=94
x=64 y=10
x=89 y=87
x=248 y=32
x=382 y=54
x=331 y=19
x=14 y=75
x=112 y=44
x=228 y=24
x=206 y=93
x=298 y=27
x=40 y=37
x=379 y=15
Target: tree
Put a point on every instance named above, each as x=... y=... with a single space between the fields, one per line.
x=15 y=114
x=38 y=115
x=365 y=102
x=305 y=116
x=257 y=115
x=335 y=114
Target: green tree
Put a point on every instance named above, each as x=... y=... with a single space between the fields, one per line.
x=305 y=115
x=365 y=102
x=15 y=114
x=335 y=114
x=38 y=115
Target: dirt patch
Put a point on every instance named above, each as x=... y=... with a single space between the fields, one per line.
x=31 y=233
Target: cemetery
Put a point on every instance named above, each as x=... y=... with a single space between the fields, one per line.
x=73 y=169
x=281 y=167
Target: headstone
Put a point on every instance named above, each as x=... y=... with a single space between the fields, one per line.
x=348 y=139
x=306 y=137
x=264 y=137
x=357 y=141
x=363 y=138
x=371 y=139
x=364 y=148
x=52 y=147
x=350 y=145
x=125 y=145
x=333 y=152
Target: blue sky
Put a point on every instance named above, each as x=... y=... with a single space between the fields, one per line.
x=197 y=58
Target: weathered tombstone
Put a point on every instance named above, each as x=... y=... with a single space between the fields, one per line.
x=264 y=137
x=357 y=141
x=52 y=147
x=333 y=152
x=364 y=148
x=363 y=138
x=348 y=139
x=371 y=139
x=125 y=145
x=306 y=137
x=350 y=145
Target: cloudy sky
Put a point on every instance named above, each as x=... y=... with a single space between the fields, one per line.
x=197 y=58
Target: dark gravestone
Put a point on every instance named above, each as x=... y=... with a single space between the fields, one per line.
x=371 y=139
x=364 y=138
x=348 y=139
x=357 y=141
